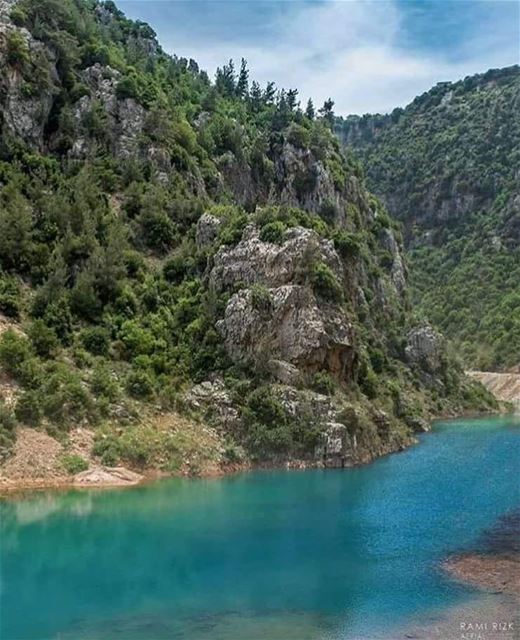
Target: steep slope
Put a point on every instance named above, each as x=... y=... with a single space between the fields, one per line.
x=447 y=167
x=168 y=244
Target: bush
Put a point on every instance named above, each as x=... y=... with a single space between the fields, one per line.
x=96 y=340
x=347 y=244
x=15 y=350
x=273 y=232
x=104 y=383
x=17 y=50
x=10 y=295
x=297 y=135
x=325 y=283
x=65 y=399
x=7 y=430
x=322 y=382
x=73 y=464
x=43 y=339
x=367 y=380
x=139 y=384
x=159 y=232
x=28 y=409
x=328 y=211
x=265 y=407
x=127 y=88
x=261 y=299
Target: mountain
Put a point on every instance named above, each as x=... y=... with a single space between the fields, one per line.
x=447 y=166
x=192 y=269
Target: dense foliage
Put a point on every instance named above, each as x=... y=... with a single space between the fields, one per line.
x=447 y=166
x=100 y=271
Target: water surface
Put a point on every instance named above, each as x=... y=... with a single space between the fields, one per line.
x=267 y=555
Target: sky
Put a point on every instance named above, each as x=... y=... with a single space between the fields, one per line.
x=369 y=56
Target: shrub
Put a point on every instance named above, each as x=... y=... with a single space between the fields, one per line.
x=273 y=232
x=7 y=430
x=367 y=380
x=104 y=383
x=139 y=384
x=377 y=359
x=43 y=339
x=325 y=283
x=10 y=294
x=127 y=88
x=159 y=232
x=137 y=340
x=322 y=382
x=65 y=399
x=328 y=210
x=347 y=244
x=17 y=50
x=178 y=267
x=261 y=298
x=96 y=340
x=73 y=464
x=265 y=407
x=15 y=350
x=28 y=409
x=297 y=135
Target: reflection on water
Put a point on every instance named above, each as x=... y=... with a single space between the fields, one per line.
x=41 y=506
x=316 y=554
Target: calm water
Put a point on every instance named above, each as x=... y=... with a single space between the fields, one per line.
x=269 y=555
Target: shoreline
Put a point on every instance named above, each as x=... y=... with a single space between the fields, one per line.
x=13 y=486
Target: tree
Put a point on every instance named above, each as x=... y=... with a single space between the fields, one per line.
x=255 y=96
x=290 y=99
x=327 y=113
x=225 y=79
x=309 y=110
x=242 y=87
x=269 y=93
x=15 y=230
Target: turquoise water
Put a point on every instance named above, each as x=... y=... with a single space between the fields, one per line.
x=312 y=554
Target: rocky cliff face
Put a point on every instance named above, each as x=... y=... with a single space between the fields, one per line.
x=183 y=244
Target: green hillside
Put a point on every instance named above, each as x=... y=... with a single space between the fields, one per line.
x=170 y=243
x=447 y=167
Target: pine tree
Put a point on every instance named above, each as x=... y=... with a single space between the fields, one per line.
x=292 y=94
x=269 y=93
x=242 y=88
x=225 y=79
x=309 y=111
x=255 y=96
x=327 y=113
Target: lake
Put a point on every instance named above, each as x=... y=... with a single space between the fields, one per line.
x=315 y=554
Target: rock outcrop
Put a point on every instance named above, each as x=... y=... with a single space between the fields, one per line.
x=424 y=350
x=277 y=315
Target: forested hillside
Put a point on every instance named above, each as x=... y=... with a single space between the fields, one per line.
x=448 y=167
x=175 y=245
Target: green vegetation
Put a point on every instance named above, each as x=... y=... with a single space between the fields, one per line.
x=102 y=272
x=447 y=167
x=73 y=464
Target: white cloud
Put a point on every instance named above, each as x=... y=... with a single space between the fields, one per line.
x=349 y=51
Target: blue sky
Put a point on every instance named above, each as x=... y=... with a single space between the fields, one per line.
x=368 y=55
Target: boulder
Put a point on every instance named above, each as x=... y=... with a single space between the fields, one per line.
x=295 y=329
x=212 y=399
x=254 y=261
x=425 y=349
x=207 y=230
